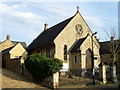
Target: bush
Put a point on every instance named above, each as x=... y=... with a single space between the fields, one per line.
x=40 y=67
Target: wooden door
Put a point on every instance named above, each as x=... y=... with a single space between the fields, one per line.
x=88 y=59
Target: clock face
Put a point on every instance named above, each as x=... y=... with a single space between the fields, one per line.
x=78 y=29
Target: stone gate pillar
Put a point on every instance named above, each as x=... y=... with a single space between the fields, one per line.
x=104 y=73
x=51 y=81
x=83 y=71
x=56 y=80
x=83 y=63
x=114 y=73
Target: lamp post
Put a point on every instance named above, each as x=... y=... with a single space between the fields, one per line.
x=93 y=70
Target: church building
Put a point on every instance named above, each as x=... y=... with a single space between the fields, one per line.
x=71 y=41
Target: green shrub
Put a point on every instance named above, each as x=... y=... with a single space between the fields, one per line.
x=40 y=67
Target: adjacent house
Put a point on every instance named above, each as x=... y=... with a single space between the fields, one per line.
x=110 y=51
x=13 y=54
x=110 y=56
x=72 y=41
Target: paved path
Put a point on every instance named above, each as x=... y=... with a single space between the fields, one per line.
x=13 y=80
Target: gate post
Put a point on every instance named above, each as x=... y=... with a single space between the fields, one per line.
x=104 y=74
x=56 y=80
x=83 y=72
x=114 y=73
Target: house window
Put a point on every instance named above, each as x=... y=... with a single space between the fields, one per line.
x=48 y=52
x=75 y=59
x=65 y=52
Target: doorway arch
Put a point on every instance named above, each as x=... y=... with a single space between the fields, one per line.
x=89 y=62
x=88 y=59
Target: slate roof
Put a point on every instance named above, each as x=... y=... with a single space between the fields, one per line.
x=78 y=44
x=105 y=47
x=22 y=43
x=47 y=36
x=16 y=42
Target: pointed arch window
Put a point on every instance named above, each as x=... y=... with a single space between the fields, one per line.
x=75 y=59
x=38 y=51
x=48 y=52
x=65 y=52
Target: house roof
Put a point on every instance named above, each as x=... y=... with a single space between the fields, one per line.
x=16 y=42
x=7 y=50
x=77 y=44
x=105 y=47
x=47 y=36
x=105 y=50
x=22 y=43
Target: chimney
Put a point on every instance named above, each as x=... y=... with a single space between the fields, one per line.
x=112 y=38
x=45 y=26
x=8 y=37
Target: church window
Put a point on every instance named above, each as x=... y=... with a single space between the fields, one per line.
x=41 y=51
x=38 y=51
x=75 y=59
x=48 y=52
x=52 y=52
x=65 y=52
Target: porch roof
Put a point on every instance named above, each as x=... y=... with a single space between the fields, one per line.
x=77 y=44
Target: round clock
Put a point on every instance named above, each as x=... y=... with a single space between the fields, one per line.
x=78 y=29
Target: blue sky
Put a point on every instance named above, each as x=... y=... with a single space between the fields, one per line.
x=25 y=20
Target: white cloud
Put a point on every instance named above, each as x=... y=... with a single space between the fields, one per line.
x=59 y=0
x=20 y=6
x=54 y=9
x=26 y=17
x=21 y=16
x=20 y=23
x=94 y=21
x=29 y=17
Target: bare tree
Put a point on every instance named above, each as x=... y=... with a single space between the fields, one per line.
x=114 y=45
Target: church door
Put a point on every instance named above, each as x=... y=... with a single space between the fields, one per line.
x=89 y=62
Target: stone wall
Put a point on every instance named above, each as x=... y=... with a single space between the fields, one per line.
x=48 y=82
x=12 y=64
x=51 y=81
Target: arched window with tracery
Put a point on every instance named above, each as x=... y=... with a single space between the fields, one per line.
x=65 y=52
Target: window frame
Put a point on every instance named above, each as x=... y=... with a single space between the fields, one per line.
x=65 y=52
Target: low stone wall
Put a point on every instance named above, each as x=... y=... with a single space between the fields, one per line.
x=48 y=82
x=51 y=81
x=14 y=65
x=63 y=73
